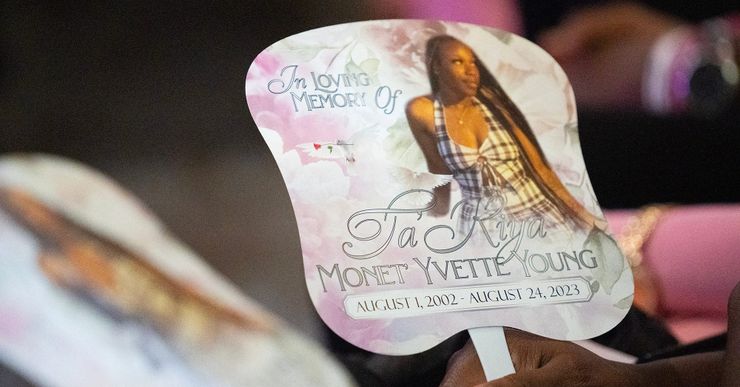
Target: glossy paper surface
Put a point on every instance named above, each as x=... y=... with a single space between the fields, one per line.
x=389 y=268
x=94 y=291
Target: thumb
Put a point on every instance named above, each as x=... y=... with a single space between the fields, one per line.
x=541 y=377
x=507 y=381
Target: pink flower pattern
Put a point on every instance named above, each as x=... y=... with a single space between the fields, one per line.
x=326 y=192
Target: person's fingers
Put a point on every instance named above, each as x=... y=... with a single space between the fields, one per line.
x=731 y=372
x=544 y=362
x=560 y=371
x=463 y=368
x=590 y=29
x=538 y=362
x=581 y=32
x=529 y=351
x=541 y=377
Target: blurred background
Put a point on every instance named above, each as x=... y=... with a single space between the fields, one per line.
x=152 y=94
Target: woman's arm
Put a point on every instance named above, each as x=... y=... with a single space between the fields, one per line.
x=731 y=370
x=420 y=115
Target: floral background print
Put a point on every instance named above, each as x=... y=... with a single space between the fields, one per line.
x=327 y=188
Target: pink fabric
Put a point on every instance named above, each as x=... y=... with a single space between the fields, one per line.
x=688 y=330
x=503 y=14
x=695 y=254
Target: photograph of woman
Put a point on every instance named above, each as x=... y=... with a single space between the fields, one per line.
x=469 y=128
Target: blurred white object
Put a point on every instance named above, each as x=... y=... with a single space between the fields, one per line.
x=94 y=291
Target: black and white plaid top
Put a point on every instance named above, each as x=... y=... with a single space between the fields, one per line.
x=493 y=171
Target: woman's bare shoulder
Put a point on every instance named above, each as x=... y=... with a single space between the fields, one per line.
x=420 y=110
x=422 y=104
